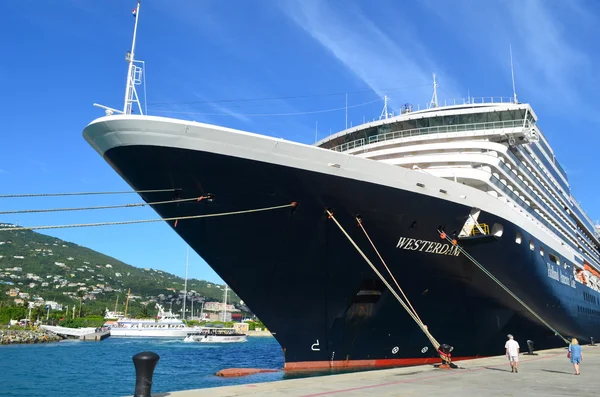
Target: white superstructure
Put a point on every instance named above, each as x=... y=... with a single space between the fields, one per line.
x=491 y=144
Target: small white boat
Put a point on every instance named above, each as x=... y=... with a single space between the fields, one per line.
x=215 y=335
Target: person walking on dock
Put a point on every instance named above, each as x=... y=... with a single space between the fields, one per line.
x=575 y=354
x=512 y=352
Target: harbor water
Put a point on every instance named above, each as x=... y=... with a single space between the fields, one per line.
x=81 y=369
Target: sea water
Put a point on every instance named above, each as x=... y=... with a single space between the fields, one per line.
x=82 y=369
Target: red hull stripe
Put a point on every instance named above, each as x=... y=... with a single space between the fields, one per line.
x=384 y=362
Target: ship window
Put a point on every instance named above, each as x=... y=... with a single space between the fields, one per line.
x=518 y=238
x=497 y=230
x=436 y=121
x=480 y=117
x=493 y=116
x=531 y=245
x=554 y=259
x=422 y=123
x=465 y=119
x=542 y=251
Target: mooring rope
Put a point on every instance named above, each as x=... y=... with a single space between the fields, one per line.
x=423 y=327
x=178 y=218
x=505 y=288
x=101 y=207
x=84 y=193
x=360 y=223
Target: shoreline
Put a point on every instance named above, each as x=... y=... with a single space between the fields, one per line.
x=258 y=333
x=25 y=336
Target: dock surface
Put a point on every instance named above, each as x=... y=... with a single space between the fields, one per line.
x=88 y=334
x=96 y=336
x=549 y=373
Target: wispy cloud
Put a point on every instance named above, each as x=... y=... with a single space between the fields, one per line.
x=200 y=108
x=553 y=60
x=365 y=49
x=223 y=109
x=551 y=55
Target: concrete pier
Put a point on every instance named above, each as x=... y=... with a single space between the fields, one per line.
x=96 y=336
x=549 y=373
x=87 y=334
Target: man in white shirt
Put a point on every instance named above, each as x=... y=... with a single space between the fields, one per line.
x=512 y=352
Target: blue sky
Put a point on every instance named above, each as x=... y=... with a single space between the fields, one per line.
x=221 y=62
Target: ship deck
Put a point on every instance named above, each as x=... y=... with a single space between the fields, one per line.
x=549 y=373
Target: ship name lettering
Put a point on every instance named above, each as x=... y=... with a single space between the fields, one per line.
x=552 y=273
x=565 y=279
x=430 y=247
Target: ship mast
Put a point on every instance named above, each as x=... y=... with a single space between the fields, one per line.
x=384 y=112
x=512 y=72
x=225 y=305
x=134 y=72
x=434 y=98
x=187 y=260
x=127 y=303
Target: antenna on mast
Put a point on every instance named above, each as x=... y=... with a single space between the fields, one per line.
x=384 y=112
x=434 y=98
x=512 y=72
x=134 y=73
x=346 y=110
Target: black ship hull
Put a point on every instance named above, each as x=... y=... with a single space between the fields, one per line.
x=327 y=308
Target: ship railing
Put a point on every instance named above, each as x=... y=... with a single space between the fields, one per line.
x=350 y=145
x=584 y=236
x=523 y=167
x=516 y=181
x=427 y=131
x=407 y=108
x=585 y=215
x=523 y=206
x=480 y=228
x=539 y=202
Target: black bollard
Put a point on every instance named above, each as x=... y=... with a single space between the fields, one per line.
x=445 y=355
x=592 y=341
x=530 y=348
x=144 y=362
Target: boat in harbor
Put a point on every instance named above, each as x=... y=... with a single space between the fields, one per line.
x=166 y=325
x=478 y=171
x=215 y=335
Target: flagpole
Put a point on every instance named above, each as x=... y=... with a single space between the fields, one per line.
x=187 y=261
x=130 y=58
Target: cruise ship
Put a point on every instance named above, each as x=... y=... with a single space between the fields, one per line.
x=479 y=172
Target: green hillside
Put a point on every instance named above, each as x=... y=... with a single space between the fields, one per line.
x=55 y=270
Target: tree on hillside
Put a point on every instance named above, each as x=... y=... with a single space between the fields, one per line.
x=144 y=312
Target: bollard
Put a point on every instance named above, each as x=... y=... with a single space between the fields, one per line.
x=144 y=362
x=592 y=341
x=444 y=351
x=530 y=348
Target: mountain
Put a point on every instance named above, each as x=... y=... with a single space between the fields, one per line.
x=55 y=270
